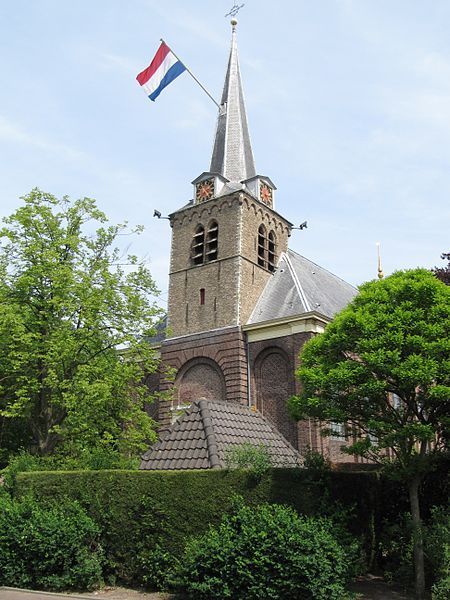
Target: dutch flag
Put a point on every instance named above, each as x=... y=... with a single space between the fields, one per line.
x=164 y=68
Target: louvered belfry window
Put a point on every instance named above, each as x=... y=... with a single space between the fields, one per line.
x=198 y=246
x=205 y=245
x=212 y=240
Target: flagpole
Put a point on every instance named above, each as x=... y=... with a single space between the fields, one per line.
x=192 y=75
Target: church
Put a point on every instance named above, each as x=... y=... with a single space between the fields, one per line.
x=241 y=305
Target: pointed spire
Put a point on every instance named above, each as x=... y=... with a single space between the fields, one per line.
x=232 y=154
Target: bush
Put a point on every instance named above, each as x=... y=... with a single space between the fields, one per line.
x=256 y=459
x=437 y=552
x=166 y=508
x=264 y=552
x=93 y=459
x=52 y=548
x=396 y=545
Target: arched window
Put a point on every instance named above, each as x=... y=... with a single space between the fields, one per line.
x=271 y=255
x=212 y=240
x=198 y=246
x=262 y=246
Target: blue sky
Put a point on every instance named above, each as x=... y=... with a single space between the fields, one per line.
x=348 y=104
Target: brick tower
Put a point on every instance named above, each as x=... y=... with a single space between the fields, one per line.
x=227 y=240
x=241 y=304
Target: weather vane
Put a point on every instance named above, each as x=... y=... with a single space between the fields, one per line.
x=234 y=11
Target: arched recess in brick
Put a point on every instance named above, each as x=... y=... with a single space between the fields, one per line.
x=274 y=385
x=200 y=378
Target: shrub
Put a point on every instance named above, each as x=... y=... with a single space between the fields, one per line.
x=267 y=552
x=256 y=459
x=52 y=548
x=397 y=552
x=437 y=552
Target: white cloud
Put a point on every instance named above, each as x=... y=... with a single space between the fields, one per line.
x=13 y=133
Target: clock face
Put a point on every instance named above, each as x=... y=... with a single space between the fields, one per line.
x=265 y=193
x=204 y=190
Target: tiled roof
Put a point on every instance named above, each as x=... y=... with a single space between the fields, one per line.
x=300 y=286
x=202 y=437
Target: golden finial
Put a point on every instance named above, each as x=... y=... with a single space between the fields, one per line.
x=380 y=268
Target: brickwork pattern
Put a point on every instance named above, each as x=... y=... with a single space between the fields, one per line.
x=273 y=381
x=234 y=281
x=225 y=347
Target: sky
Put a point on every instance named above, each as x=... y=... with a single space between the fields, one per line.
x=348 y=103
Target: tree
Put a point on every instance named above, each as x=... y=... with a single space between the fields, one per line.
x=382 y=367
x=70 y=304
x=443 y=273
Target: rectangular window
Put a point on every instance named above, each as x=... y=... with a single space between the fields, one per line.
x=202 y=296
x=338 y=431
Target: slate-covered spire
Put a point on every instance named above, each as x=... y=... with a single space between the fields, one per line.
x=232 y=152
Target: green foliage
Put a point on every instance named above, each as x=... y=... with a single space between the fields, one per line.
x=315 y=462
x=256 y=459
x=53 y=548
x=382 y=367
x=396 y=548
x=437 y=549
x=162 y=510
x=68 y=302
x=264 y=552
x=90 y=459
x=394 y=338
x=156 y=567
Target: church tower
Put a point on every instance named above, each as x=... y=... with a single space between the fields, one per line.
x=226 y=242
x=241 y=304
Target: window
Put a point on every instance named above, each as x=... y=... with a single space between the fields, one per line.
x=271 y=254
x=266 y=249
x=204 y=246
x=202 y=296
x=198 y=246
x=338 y=431
x=262 y=246
x=212 y=240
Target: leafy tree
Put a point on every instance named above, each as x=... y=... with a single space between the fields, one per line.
x=443 y=273
x=74 y=314
x=382 y=367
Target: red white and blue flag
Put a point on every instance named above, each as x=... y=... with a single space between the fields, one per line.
x=164 y=68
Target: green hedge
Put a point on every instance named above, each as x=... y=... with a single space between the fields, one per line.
x=145 y=514
x=139 y=511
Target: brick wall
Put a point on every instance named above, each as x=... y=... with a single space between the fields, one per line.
x=224 y=347
x=233 y=282
x=273 y=381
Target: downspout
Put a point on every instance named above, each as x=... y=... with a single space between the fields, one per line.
x=247 y=353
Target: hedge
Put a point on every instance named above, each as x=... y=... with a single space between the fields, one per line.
x=140 y=512
x=144 y=510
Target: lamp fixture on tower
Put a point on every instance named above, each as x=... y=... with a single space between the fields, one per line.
x=158 y=215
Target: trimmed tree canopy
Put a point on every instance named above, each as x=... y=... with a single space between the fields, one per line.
x=69 y=302
x=383 y=368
